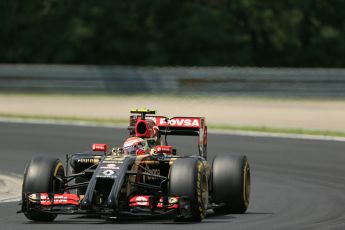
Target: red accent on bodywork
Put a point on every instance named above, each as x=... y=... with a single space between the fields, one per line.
x=197 y=124
x=100 y=147
x=145 y=128
x=167 y=149
x=173 y=202
x=162 y=121
x=59 y=199
x=145 y=201
x=140 y=152
x=186 y=122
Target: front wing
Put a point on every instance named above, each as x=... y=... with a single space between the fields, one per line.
x=139 y=205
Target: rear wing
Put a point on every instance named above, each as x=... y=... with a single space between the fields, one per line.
x=182 y=126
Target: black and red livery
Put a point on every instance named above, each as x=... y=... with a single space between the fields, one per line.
x=154 y=182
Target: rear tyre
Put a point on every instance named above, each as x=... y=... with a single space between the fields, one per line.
x=188 y=178
x=231 y=183
x=40 y=176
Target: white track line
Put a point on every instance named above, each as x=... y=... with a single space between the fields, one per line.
x=10 y=187
x=214 y=131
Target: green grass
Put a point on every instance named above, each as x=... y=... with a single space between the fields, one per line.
x=265 y=129
x=100 y=121
x=64 y=118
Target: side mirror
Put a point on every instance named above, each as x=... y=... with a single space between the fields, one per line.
x=165 y=149
x=100 y=147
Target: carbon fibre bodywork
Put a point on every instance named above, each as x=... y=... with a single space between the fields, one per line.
x=152 y=180
x=111 y=181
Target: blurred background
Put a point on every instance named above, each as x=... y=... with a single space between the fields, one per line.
x=270 y=33
x=253 y=68
x=243 y=64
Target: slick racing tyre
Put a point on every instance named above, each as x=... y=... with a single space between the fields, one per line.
x=188 y=178
x=40 y=176
x=231 y=183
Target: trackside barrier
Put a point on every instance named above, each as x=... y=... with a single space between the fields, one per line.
x=290 y=82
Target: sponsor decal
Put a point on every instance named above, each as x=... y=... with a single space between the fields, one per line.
x=106 y=167
x=88 y=160
x=172 y=202
x=99 y=147
x=109 y=166
x=164 y=149
x=176 y=122
x=112 y=162
x=179 y=122
x=152 y=119
x=59 y=199
x=143 y=200
x=108 y=172
x=104 y=176
x=119 y=159
x=139 y=201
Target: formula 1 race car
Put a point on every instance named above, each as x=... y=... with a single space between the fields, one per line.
x=144 y=177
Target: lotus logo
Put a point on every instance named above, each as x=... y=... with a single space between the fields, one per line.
x=108 y=172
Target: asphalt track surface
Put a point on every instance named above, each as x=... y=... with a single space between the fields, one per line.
x=296 y=184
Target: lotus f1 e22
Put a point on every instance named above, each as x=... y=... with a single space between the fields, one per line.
x=144 y=177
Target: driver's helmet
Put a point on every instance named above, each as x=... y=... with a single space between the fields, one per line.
x=135 y=146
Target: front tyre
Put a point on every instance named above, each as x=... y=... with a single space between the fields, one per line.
x=188 y=177
x=41 y=176
x=231 y=183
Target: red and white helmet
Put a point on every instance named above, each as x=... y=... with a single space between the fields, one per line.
x=135 y=146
